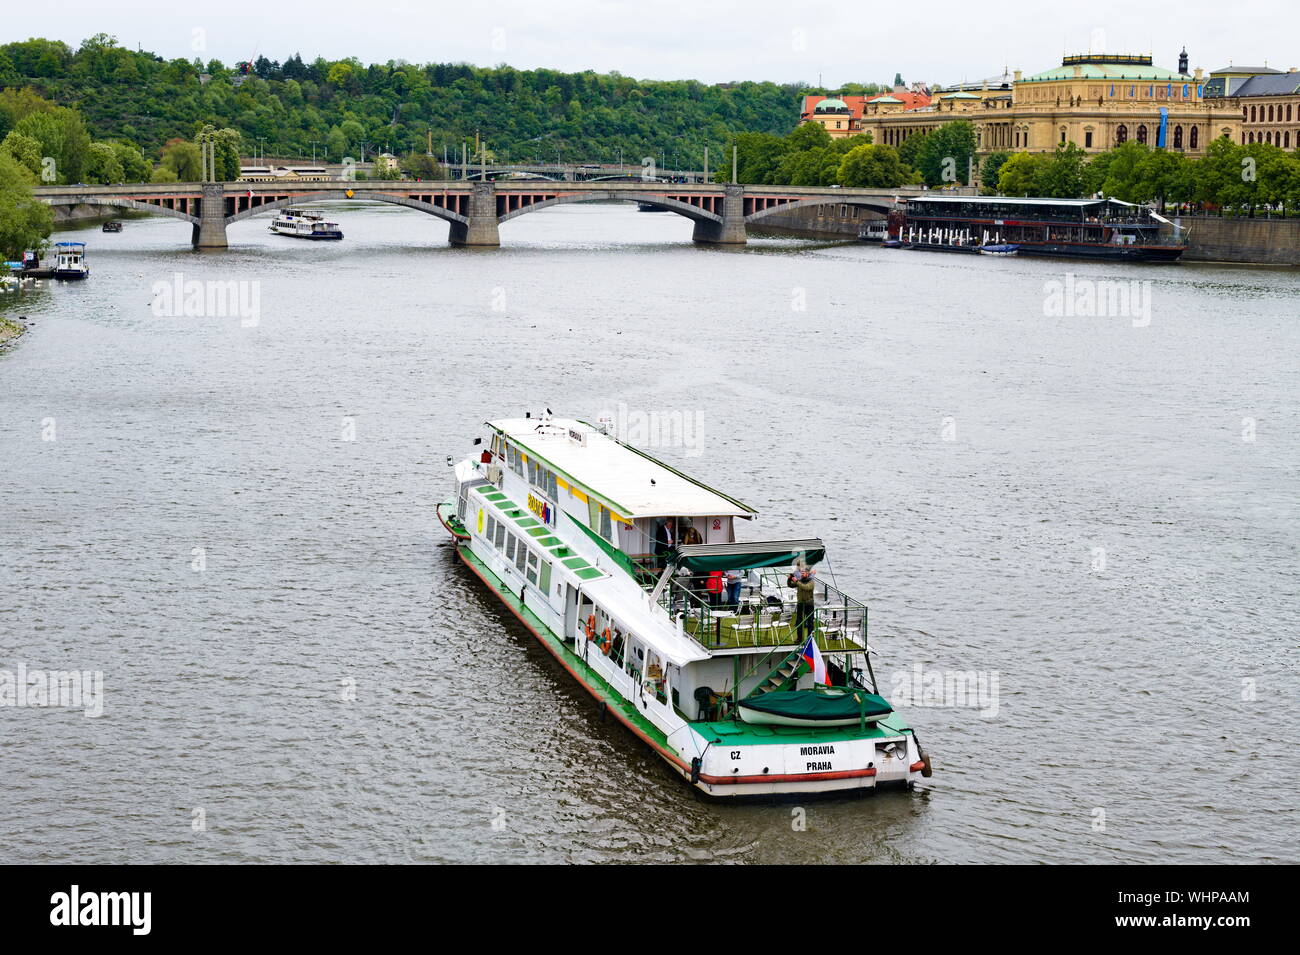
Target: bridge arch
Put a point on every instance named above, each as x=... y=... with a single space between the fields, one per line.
x=115 y=202
x=334 y=195
x=694 y=213
x=882 y=204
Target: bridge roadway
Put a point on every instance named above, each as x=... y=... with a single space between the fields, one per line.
x=475 y=210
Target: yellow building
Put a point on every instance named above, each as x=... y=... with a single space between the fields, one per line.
x=1095 y=101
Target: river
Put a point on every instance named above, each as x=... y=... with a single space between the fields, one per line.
x=232 y=517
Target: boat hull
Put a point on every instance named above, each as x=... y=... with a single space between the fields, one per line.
x=308 y=235
x=808 y=762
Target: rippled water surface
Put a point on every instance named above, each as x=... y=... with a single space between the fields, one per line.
x=1146 y=711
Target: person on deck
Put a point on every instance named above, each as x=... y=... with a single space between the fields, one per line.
x=802 y=581
x=665 y=540
x=735 y=580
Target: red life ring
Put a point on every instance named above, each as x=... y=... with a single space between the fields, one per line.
x=591 y=627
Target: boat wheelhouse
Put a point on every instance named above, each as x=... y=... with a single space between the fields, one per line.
x=70 y=260
x=633 y=576
x=305 y=224
x=1092 y=228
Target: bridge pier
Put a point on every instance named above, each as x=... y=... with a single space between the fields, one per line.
x=210 y=231
x=481 y=230
x=731 y=230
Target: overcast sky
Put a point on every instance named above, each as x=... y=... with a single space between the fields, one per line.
x=710 y=40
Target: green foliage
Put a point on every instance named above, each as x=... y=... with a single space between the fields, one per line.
x=27 y=152
x=420 y=166
x=343 y=105
x=876 y=166
x=1024 y=174
x=24 y=222
x=62 y=136
x=227 y=149
x=989 y=171
x=944 y=156
x=182 y=159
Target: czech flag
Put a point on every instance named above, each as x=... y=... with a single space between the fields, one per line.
x=813 y=657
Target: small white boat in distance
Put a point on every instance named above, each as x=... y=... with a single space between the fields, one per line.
x=876 y=231
x=305 y=224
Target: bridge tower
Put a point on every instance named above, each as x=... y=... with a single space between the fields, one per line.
x=481 y=230
x=210 y=231
x=731 y=230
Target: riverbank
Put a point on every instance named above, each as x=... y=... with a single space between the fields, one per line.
x=10 y=331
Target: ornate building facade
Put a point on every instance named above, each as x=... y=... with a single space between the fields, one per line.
x=1095 y=101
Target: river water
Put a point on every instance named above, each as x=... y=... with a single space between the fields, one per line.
x=232 y=517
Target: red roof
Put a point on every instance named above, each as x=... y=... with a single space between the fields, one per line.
x=857 y=104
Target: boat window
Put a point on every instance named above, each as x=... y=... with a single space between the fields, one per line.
x=491 y=527
x=544 y=582
x=532 y=472
x=606 y=529
x=510 y=547
x=532 y=568
x=499 y=537
x=521 y=554
x=593 y=513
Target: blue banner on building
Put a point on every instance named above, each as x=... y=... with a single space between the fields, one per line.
x=1164 y=127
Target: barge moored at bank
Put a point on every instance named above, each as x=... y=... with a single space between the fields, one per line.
x=738 y=662
x=1088 y=228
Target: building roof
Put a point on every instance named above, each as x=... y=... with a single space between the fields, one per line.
x=1244 y=70
x=829 y=105
x=959 y=95
x=1022 y=201
x=630 y=481
x=1269 y=84
x=1103 y=66
x=857 y=104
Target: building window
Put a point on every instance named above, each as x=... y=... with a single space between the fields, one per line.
x=1178 y=137
x=1121 y=134
x=1244 y=113
x=1087 y=140
x=1192 y=139
x=1142 y=134
x=1252 y=114
x=1062 y=137
x=1286 y=140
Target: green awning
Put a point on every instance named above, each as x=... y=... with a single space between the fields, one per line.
x=748 y=555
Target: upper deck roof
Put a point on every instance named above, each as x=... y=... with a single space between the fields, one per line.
x=997 y=200
x=630 y=481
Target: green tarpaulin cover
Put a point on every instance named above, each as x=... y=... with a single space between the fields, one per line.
x=748 y=555
x=819 y=705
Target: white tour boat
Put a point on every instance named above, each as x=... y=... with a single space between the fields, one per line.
x=305 y=224
x=70 y=260
x=738 y=662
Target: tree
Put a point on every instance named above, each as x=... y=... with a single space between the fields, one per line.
x=945 y=155
x=990 y=170
x=182 y=159
x=1024 y=174
x=873 y=166
x=102 y=164
x=420 y=166
x=26 y=150
x=1063 y=178
x=62 y=135
x=25 y=223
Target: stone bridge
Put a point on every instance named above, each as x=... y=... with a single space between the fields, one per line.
x=475 y=210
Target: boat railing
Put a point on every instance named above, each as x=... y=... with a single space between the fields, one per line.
x=765 y=614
